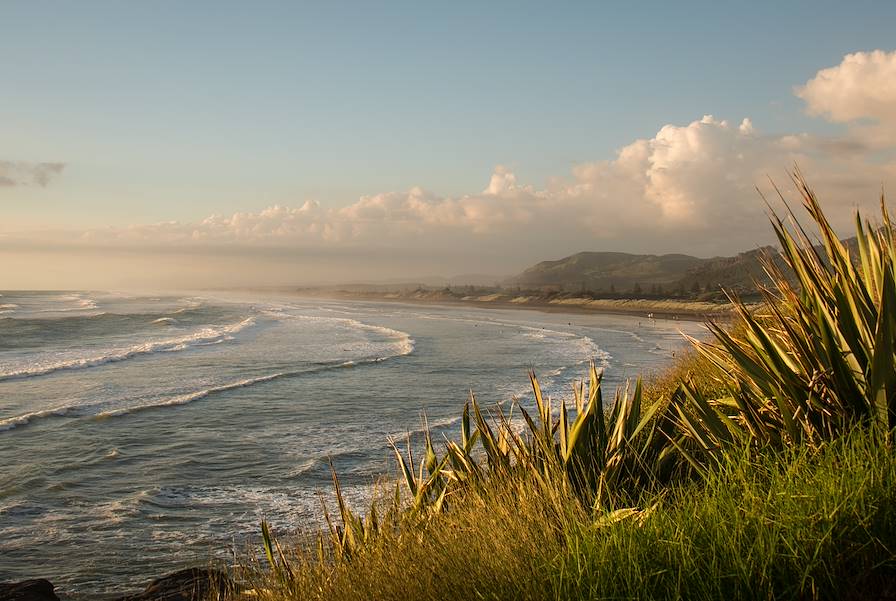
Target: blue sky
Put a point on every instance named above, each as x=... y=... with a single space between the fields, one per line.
x=174 y=111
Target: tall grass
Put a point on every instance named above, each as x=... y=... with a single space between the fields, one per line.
x=766 y=471
x=805 y=523
x=801 y=524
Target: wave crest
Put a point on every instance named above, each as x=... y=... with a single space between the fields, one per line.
x=205 y=336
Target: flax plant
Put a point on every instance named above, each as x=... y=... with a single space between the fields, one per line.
x=820 y=357
x=593 y=450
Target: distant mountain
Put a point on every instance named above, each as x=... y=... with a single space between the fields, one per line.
x=603 y=272
x=738 y=273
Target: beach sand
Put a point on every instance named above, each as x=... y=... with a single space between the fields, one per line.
x=659 y=309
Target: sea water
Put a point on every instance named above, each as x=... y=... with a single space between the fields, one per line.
x=139 y=434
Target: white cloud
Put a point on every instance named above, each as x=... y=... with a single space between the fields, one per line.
x=862 y=88
x=689 y=188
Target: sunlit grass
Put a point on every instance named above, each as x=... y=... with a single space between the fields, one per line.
x=806 y=523
x=801 y=524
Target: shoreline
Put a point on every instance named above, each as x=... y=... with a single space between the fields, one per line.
x=658 y=309
x=492 y=303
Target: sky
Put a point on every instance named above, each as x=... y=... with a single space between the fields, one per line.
x=167 y=144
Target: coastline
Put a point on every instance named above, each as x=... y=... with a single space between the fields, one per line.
x=659 y=309
x=166 y=496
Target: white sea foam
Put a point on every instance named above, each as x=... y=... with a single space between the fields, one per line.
x=80 y=307
x=240 y=508
x=24 y=419
x=192 y=303
x=425 y=423
x=537 y=332
x=574 y=348
x=183 y=399
x=81 y=303
x=400 y=344
x=404 y=342
x=200 y=337
x=303 y=467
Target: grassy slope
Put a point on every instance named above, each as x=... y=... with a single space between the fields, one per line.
x=600 y=270
x=806 y=525
x=810 y=524
x=818 y=524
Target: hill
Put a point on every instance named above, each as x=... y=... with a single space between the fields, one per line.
x=613 y=272
x=601 y=271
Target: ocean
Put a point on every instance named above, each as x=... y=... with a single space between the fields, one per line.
x=141 y=433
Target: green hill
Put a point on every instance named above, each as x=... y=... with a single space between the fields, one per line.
x=604 y=272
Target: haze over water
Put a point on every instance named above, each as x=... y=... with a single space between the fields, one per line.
x=139 y=433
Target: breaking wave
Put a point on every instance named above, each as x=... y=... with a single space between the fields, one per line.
x=204 y=336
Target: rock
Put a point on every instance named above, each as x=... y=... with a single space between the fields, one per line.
x=27 y=590
x=193 y=584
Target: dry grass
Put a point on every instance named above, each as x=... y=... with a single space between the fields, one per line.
x=805 y=524
x=759 y=466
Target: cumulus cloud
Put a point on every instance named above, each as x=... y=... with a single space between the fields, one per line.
x=23 y=173
x=861 y=90
x=689 y=188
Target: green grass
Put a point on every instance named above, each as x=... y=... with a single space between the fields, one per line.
x=803 y=524
x=760 y=466
x=800 y=524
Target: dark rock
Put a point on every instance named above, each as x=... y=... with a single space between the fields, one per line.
x=193 y=584
x=27 y=590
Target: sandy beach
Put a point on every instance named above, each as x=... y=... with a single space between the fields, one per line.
x=658 y=309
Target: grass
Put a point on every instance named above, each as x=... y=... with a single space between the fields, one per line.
x=802 y=524
x=760 y=466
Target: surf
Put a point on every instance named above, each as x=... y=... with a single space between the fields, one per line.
x=183 y=399
x=203 y=336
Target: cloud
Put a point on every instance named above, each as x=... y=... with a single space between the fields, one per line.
x=690 y=188
x=22 y=173
x=861 y=90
